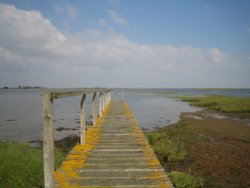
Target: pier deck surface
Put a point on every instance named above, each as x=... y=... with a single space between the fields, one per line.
x=116 y=154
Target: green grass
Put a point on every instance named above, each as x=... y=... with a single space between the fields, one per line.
x=168 y=146
x=164 y=148
x=221 y=103
x=185 y=180
x=166 y=93
x=22 y=166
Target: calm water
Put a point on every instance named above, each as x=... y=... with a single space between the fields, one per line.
x=21 y=110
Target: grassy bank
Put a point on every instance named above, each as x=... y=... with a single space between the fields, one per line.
x=170 y=150
x=205 y=152
x=221 y=103
x=22 y=166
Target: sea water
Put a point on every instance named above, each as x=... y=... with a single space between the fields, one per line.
x=21 y=110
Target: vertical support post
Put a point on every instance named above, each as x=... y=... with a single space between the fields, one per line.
x=83 y=118
x=48 y=141
x=100 y=104
x=94 y=108
x=107 y=98
x=103 y=101
x=110 y=94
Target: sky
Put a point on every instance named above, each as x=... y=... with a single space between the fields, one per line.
x=125 y=43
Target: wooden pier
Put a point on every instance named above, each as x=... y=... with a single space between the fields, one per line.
x=113 y=153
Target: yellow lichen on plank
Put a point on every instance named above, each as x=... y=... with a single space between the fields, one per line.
x=76 y=158
x=148 y=152
x=68 y=175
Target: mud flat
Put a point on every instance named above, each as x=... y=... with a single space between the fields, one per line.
x=216 y=147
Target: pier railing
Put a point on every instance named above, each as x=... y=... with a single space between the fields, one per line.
x=48 y=125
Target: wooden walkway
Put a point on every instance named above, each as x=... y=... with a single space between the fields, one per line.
x=116 y=154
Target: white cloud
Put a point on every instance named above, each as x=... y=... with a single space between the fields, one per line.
x=216 y=55
x=102 y=22
x=116 y=17
x=27 y=33
x=248 y=30
x=39 y=52
x=70 y=10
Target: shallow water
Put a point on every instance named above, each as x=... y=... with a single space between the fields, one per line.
x=21 y=110
x=154 y=111
x=21 y=115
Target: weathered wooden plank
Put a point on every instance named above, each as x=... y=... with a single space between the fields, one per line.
x=113 y=159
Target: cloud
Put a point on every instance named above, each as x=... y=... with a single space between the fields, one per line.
x=102 y=22
x=41 y=54
x=27 y=33
x=114 y=2
x=70 y=10
x=116 y=17
x=248 y=30
x=216 y=55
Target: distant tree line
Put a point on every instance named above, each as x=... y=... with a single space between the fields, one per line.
x=23 y=87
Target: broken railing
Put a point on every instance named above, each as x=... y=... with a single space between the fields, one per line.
x=48 y=127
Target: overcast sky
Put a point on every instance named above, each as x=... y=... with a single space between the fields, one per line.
x=125 y=43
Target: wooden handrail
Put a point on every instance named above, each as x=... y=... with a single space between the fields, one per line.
x=48 y=125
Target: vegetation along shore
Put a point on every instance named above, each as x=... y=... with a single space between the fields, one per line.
x=22 y=166
x=208 y=148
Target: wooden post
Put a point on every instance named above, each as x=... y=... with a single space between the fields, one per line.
x=83 y=118
x=94 y=108
x=107 y=99
x=100 y=104
x=48 y=141
x=110 y=94
x=103 y=102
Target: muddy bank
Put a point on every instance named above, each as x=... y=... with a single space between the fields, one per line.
x=218 y=148
x=65 y=144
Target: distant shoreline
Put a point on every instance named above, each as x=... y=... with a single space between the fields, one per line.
x=24 y=87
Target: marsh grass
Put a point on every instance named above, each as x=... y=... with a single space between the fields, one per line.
x=164 y=148
x=221 y=103
x=185 y=180
x=22 y=166
x=168 y=150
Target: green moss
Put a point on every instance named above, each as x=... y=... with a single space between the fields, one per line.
x=153 y=137
x=185 y=180
x=22 y=166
